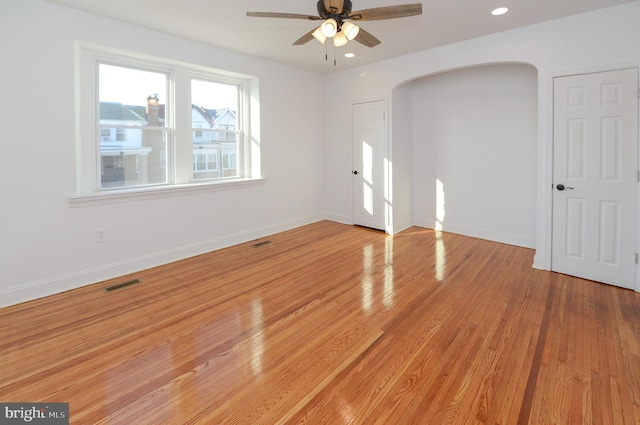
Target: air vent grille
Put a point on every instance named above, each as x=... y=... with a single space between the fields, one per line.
x=259 y=244
x=121 y=285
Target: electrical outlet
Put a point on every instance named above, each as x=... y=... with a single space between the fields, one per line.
x=101 y=235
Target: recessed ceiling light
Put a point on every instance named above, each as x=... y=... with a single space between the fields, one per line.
x=349 y=55
x=499 y=11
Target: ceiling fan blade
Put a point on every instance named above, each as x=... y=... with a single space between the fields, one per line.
x=367 y=38
x=305 y=38
x=282 y=15
x=387 y=12
x=334 y=6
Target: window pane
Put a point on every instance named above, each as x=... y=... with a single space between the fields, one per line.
x=214 y=125
x=133 y=133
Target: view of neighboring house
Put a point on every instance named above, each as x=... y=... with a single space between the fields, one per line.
x=133 y=144
x=122 y=152
x=214 y=143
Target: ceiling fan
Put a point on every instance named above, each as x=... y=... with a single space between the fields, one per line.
x=336 y=16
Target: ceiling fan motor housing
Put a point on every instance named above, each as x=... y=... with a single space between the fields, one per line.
x=339 y=17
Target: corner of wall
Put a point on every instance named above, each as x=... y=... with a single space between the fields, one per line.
x=338 y=218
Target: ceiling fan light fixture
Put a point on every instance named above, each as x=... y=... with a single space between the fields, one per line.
x=350 y=30
x=329 y=28
x=318 y=35
x=340 y=39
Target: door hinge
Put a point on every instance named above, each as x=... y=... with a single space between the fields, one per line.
x=638 y=176
x=636 y=258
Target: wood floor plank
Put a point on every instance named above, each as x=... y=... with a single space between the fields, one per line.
x=333 y=324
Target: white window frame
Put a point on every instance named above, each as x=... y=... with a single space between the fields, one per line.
x=180 y=145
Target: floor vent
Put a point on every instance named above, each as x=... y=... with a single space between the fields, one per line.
x=259 y=244
x=121 y=285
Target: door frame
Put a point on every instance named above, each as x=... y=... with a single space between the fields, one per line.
x=544 y=232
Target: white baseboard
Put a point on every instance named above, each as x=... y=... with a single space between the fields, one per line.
x=539 y=263
x=58 y=284
x=338 y=218
x=480 y=233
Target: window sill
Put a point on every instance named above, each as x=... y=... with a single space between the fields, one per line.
x=112 y=197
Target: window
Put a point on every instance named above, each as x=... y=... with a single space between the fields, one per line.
x=120 y=135
x=136 y=156
x=214 y=108
x=229 y=161
x=157 y=123
x=105 y=134
x=197 y=135
x=205 y=165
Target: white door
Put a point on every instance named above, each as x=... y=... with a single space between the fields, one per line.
x=369 y=146
x=595 y=172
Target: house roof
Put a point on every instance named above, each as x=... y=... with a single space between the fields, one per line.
x=206 y=113
x=139 y=110
x=142 y=111
x=220 y=112
x=118 y=111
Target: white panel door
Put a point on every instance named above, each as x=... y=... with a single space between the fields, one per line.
x=595 y=176
x=369 y=147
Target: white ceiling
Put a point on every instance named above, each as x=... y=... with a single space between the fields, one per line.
x=225 y=24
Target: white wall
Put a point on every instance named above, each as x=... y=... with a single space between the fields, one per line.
x=401 y=130
x=474 y=152
x=595 y=41
x=46 y=246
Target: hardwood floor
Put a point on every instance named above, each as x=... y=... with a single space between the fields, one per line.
x=333 y=324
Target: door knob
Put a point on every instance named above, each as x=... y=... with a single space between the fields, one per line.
x=355 y=172
x=563 y=187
